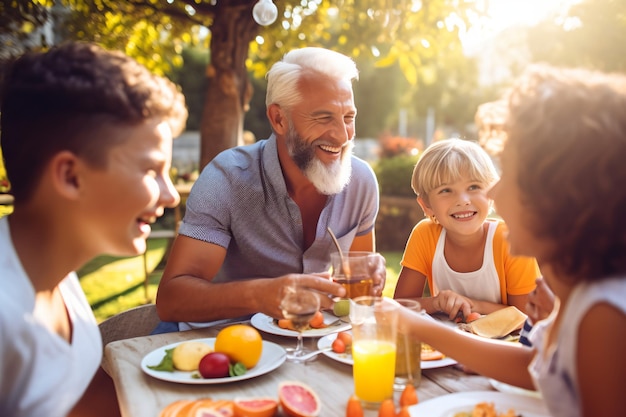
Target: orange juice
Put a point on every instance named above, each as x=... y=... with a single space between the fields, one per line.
x=355 y=286
x=373 y=370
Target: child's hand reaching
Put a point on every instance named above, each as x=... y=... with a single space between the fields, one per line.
x=540 y=301
x=452 y=303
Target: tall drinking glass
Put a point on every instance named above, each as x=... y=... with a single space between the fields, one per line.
x=408 y=353
x=374 y=331
x=299 y=305
x=352 y=271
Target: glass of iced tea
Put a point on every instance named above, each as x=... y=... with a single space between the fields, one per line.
x=352 y=271
x=408 y=353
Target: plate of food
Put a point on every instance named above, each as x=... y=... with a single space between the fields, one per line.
x=332 y=324
x=430 y=357
x=272 y=356
x=487 y=403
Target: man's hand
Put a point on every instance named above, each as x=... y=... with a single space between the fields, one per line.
x=378 y=271
x=276 y=288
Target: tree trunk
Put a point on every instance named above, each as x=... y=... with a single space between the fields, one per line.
x=229 y=89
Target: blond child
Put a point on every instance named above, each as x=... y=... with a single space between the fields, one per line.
x=461 y=253
x=561 y=194
x=87 y=141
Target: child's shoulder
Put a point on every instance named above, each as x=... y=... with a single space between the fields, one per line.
x=427 y=224
x=428 y=227
x=500 y=225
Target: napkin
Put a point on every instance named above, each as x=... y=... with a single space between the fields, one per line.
x=499 y=323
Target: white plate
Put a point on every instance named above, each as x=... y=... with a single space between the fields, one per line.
x=449 y=405
x=266 y=323
x=272 y=357
x=346 y=358
x=512 y=389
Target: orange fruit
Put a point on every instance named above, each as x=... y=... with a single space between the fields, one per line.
x=354 y=408
x=206 y=407
x=338 y=346
x=345 y=337
x=242 y=343
x=404 y=412
x=286 y=324
x=255 y=407
x=472 y=316
x=408 y=396
x=172 y=409
x=298 y=399
x=387 y=408
x=430 y=354
x=317 y=322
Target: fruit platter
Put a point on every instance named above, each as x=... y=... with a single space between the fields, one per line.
x=237 y=353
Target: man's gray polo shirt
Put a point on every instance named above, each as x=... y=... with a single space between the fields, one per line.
x=240 y=202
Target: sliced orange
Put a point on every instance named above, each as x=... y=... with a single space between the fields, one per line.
x=255 y=407
x=430 y=354
x=298 y=399
x=172 y=409
x=207 y=408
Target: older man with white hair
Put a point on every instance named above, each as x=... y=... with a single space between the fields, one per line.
x=257 y=217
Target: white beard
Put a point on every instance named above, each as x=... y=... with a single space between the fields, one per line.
x=327 y=179
x=331 y=179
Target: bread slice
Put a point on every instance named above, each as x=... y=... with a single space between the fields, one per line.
x=499 y=323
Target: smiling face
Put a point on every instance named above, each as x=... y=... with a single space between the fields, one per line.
x=320 y=132
x=124 y=198
x=460 y=206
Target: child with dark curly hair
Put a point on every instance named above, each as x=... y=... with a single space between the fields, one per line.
x=562 y=196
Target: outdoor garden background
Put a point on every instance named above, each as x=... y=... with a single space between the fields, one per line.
x=425 y=67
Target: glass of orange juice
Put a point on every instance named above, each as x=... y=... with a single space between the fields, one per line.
x=374 y=330
x=352 y=271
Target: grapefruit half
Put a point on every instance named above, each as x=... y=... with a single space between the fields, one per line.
x=255 y=407
x=298 y=399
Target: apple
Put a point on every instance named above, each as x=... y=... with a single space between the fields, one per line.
x=214 y=365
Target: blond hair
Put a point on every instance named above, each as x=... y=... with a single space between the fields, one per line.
x=449 y=160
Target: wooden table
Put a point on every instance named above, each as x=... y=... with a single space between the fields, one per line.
x=141 y=395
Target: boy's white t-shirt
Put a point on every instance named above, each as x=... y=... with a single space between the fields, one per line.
x=554 y=372
x=41 y=374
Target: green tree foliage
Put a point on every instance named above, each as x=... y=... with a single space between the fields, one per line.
x=394 y=175
x=190 y=76
x=410 y=34
x=592 y=35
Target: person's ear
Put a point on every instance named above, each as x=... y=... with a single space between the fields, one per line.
x=278 y=119
x=65 y=174
x=425 y=207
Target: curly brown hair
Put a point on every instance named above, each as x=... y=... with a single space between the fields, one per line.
x=567 y=128
x=67 y=98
